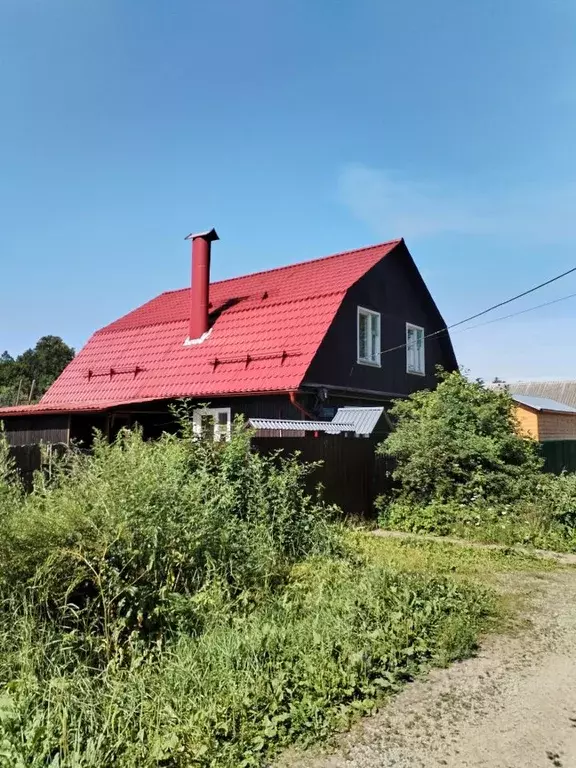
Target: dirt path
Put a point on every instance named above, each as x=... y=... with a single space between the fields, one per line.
x=512 y=706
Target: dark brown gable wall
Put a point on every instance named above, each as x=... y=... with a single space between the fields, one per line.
x=32 y=430
x=394 y=288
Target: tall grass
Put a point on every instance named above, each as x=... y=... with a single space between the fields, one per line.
x=183 y=603
x=133 y=537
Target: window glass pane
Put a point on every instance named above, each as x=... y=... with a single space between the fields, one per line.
x=374 y=338
x=410 y=349
x=363 y=336
x=420 y=351
x=415 y=350
x=222 y=426
x=207 y=425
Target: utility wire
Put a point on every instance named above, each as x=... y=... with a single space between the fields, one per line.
x=515 y=314
x=485 y=311
x=519 y=296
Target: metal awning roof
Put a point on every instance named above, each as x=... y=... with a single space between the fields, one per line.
x=364 y=418
x=360 y=420
x=289 y=425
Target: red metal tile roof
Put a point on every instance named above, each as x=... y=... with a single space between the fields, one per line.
x=267 y=329
x=42 y=409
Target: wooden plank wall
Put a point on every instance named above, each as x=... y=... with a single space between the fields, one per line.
x=31 y=458
x=37 y=429
x=351 y=472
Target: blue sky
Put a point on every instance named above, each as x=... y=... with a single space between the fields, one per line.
x=298 y=128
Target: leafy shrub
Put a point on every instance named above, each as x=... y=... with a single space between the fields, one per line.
x=142 y=536
x=463 y=469
x=10 y=486
x=338 y=638
x=180 y=602
x=459 y=443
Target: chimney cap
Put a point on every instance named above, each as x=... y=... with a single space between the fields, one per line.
x=209 y=235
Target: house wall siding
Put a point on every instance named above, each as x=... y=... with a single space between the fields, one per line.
x=557 y=426
x=37 y=429
x=395 y=289
x=528 y=422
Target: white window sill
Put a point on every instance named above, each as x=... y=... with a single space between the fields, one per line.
x=370 y=363
x=416 y=373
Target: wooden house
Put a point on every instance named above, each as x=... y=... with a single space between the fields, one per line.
x=297 y=342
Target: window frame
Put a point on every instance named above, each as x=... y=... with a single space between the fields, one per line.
x=370 y=314
x=197 y=415
x=414 y=327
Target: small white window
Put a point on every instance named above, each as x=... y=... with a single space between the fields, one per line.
x=368 y=337
x=213 y=423
x=415 y=361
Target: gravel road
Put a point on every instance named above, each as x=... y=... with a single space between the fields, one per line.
x=512 y=706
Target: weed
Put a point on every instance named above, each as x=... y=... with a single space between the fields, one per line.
x=184 y=603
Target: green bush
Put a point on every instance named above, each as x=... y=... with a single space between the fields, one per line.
x=140 y=536
x=463 y=469
x=327 y=648
x=10 y=488
x=459 y=443
x=182 y=602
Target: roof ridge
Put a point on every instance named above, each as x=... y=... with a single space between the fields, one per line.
x=395 y=241
x=539 y=381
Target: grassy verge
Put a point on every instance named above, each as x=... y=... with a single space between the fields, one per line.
x=547 y=522
x=182 y=603
x=438 y=557
x=343 y=634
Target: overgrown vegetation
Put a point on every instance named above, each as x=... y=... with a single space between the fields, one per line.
x=462 y=468
x=185 y=603
x=25 y=378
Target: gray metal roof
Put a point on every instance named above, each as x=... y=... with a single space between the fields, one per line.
x=364 y=418
x=543 y=403
x=560 y=391
x=299 y=426
x=360 y=420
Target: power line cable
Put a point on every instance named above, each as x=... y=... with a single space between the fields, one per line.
x=484 y=311
x=515 y=314
x=514 y=298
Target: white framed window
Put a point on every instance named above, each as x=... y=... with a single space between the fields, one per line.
x=415 y=360
x=213 y=423
x=369 y=347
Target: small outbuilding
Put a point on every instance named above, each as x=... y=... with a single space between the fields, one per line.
x=545 y=419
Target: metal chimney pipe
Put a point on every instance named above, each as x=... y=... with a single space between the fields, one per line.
x=200 y=287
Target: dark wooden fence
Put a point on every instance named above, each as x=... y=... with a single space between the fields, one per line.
x=351 y=473
x=559 y=456
x=30 y=458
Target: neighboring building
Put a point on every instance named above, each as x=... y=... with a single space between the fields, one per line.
x=545 y=419
x=561 y=391
x=296 y=342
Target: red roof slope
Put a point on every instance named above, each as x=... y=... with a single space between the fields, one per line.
x=266 y=330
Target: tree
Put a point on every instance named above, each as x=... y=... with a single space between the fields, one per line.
x=459 y=443
x=43 y=364
x=32 y=372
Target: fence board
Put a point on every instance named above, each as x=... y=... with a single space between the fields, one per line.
x=559 y=456
x=351 y=474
